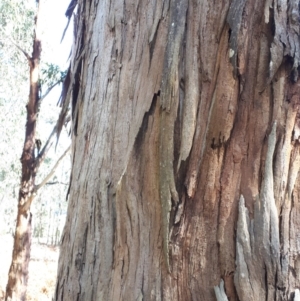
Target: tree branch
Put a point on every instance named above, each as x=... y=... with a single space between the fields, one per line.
x=20 y=48
x=49 y=90
x=45 y=149
x=24 y=52
x=57 y=182
x=62 y=117
x=63 y=35
x=51 y=173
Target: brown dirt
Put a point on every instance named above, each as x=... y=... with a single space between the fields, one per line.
x=42 y=269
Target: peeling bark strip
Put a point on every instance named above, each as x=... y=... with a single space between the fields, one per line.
x=168 y=139
x=297 y=295
x=220 y=292
x=169 y=105
x=257 y=247
x=286 y=39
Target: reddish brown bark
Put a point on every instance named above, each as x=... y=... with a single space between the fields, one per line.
x=18 y=272
x=185 y=154
x=31 y=159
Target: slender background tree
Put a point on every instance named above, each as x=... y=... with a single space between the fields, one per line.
x=185 y=152
x=16 y=31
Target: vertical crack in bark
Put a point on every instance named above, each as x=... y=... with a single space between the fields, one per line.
x=169 y=108
x=234 y=19
x=286 y=40
x=169 y=104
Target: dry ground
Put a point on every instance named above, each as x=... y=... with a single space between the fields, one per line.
x=42 y=269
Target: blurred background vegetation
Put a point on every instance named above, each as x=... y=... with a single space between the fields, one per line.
x=16 y=31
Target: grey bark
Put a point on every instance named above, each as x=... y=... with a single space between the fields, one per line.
x=185 y=152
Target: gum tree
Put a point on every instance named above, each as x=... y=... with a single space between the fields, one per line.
x=33 y=155
x=185 y=152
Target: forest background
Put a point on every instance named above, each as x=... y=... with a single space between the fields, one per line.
x=49 y=206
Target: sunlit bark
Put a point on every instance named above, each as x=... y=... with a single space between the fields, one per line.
x=31 y=159
x=185 y=152
x=18 y=272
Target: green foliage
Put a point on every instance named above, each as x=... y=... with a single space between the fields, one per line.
x=16 y=28
x=51 y=74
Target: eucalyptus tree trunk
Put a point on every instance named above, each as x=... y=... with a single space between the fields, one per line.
x=18 y=272
x=185 y=152
x=31 y=159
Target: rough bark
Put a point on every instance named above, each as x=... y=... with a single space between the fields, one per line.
x=31 y=159
x=18 y=272
x=185 y=153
